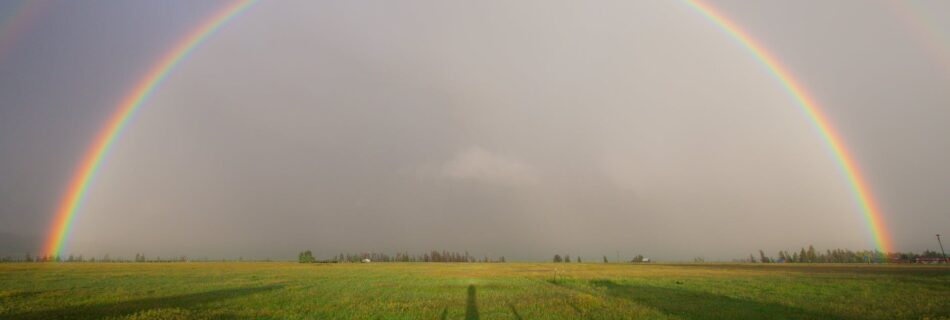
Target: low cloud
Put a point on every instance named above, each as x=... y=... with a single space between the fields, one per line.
x=479 y=164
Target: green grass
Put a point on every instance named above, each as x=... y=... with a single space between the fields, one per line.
x=471 y=291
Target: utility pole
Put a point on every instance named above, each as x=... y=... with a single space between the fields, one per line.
x=941 y=249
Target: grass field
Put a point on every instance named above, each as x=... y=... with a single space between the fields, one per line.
x=470 y=291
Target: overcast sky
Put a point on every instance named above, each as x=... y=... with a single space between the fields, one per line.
x=521 y=128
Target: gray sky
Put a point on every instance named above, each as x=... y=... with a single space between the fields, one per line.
x=520 y=129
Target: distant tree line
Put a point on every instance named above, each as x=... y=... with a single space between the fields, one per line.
x=803 y=255
x=567 y=259
x=910 y=256
x=811 y=255
x=80 y=258
x=139 y=257
x=432 y=256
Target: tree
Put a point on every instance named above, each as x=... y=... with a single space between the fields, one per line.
x=812 y=257
x=567 y=258
x=751 y=258
x=557 y=258
x=579 y=260
x=605 y=259
x=306 y=257
x=763 y=258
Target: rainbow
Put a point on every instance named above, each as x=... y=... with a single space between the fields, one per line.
x=76 y=192
x=93 y=158
x=17 y=22
x=924 y=30
x=860 y=187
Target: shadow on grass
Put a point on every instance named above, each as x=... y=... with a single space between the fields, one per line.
x=514 y=312
x=20 y=295
x=124 y=308
x=471 y=305
x=855 y=268
x=704 y=305
x=577 y=310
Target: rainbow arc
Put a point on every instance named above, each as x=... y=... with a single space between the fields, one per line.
x=76 y=192
x=72 y=201
x=850 y=168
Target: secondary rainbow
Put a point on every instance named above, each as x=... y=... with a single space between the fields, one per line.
x=17 y=22
x=66 y=213
x=924 y=29
x=861 y=190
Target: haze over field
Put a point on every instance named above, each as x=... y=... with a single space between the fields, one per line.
x=510 y=129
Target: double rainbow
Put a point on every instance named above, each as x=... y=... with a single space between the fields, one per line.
x=93 y=159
